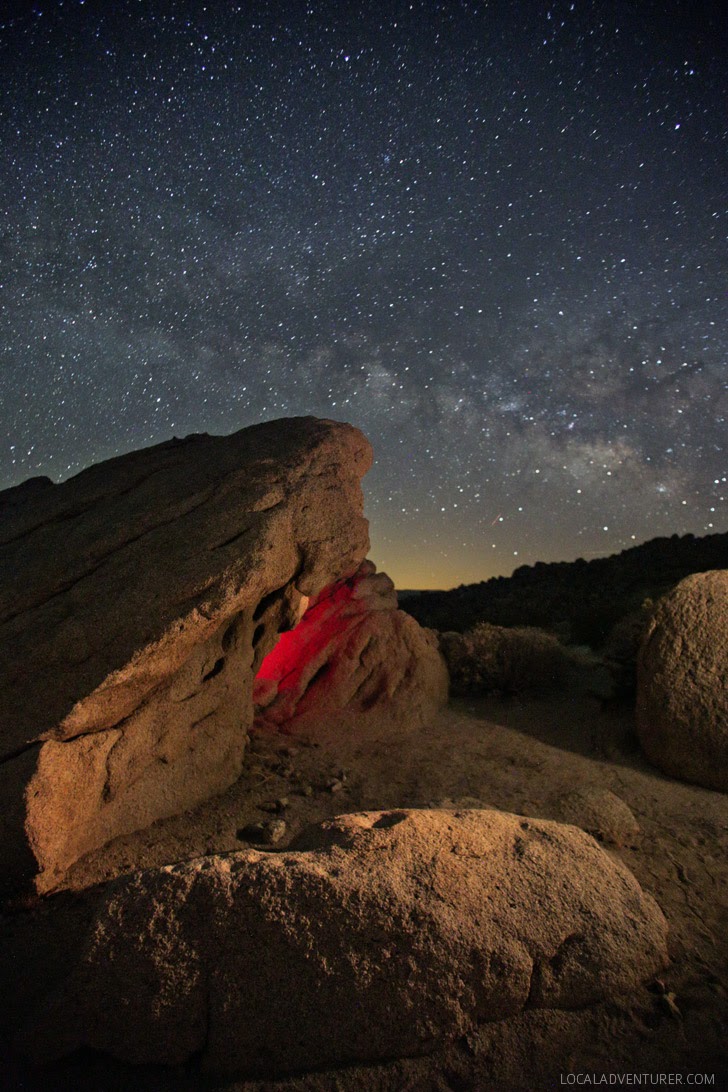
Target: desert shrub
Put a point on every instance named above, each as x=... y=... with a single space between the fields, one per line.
x=581 y=601
x=492 y=658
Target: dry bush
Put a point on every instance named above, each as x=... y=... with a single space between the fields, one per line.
x=507 y=660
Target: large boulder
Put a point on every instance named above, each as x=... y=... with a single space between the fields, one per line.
x=353 y=657
x=137 y=601
x=382 y=934
x=682 y=682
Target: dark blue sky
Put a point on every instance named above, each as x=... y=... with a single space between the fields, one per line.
x=493 y=236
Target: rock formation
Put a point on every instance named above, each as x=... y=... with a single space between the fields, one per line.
x=381 y=934
x=600 y=813
x=682 y=682
x=137 y=601
x=352 y=654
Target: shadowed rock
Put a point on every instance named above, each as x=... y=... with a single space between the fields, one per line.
x=682 y=682
x=137 y=600
x=381 y=934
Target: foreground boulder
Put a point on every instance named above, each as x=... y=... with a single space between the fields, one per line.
x=137 y=601
x=352 y=656
x=382 y=934
x=682 y=682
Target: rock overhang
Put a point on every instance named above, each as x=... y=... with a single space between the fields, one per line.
x=138 y=600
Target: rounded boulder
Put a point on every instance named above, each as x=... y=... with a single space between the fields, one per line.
x=682 y=682
x=381 y=934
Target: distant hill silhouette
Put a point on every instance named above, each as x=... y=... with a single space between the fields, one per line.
x=580 y=600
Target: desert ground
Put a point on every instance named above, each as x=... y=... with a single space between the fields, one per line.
x=556 y=757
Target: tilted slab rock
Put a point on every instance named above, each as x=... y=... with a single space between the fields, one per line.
x=353 y=655
x=682 y=682
x=382 y=934
x=136 y=602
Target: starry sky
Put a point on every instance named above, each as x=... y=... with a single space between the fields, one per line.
x=492 y=235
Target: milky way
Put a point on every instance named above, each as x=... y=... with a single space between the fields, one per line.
x=493 y=236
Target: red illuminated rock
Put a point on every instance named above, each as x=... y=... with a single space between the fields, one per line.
x=352 y=656
x=136 y=603
x=682 y=682
x=382 y=934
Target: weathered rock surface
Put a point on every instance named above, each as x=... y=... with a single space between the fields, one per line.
x=600 y=813
x=136 y=602
x=682 y=682
x=382 y=934
x=352 y=654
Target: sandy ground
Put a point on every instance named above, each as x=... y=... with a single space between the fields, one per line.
x=521 y=756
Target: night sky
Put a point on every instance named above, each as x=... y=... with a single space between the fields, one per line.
x=491 y=235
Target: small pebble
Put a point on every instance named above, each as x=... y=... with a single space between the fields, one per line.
x=336 y=785
x=275 y=830
x=267 y=833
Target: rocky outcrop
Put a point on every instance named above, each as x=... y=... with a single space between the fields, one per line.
x=381 y=934
x=352 y=656
x=137 y=601
x=682 y=682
